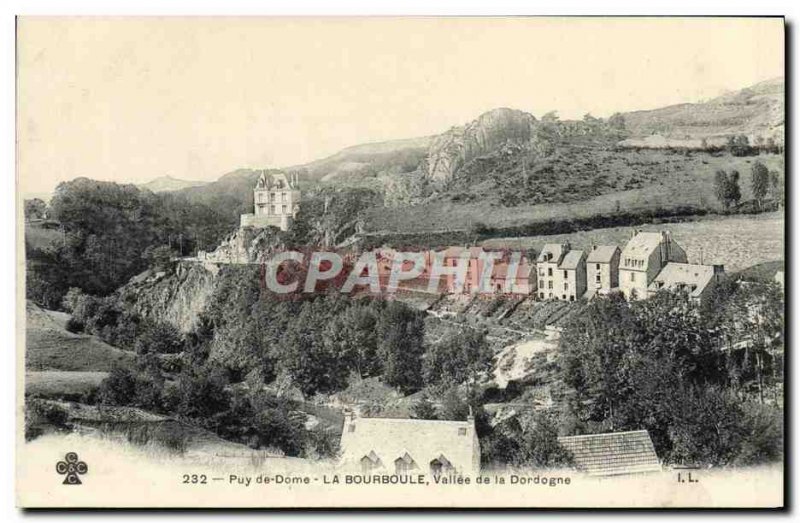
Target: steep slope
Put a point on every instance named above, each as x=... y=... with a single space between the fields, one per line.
x=452 y=149
x=50 y=347
x=177 y=298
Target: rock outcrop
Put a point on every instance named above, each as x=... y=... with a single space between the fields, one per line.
x=177 y=298
x=454 y=148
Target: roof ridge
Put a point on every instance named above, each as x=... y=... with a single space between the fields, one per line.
x=607 y=434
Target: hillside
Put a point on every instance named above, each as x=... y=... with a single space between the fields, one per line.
x=50 y=347
x=756 y=111
x=507 y=168
x=168 y=183
x=368 y=165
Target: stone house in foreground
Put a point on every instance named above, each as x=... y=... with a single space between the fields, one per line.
x=409 y=446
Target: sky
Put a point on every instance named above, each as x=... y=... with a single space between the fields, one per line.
x=132 y=99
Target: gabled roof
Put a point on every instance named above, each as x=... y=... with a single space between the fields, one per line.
x=692 y=277
x=551 y=252
x=602 y=254
x=572 y=259
x=642 y=244
x=613 y=453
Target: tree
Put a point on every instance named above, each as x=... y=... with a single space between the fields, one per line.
x=540 y=447
x=624 y=360
x=201 y=392
x=461 y=357
x=35 y=209
x=776 y=187
x=159 y=258
x=315 y=365
x=119 y=388
x=734 y=193
x=353 y=336
x=760 y=181
x=400 y=346
x=424 y=409
x=726 y=188
x=159 y=338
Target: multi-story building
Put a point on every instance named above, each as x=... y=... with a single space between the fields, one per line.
x=547 y=269
x=572 y=276
x=602 y=269
x=561 y=273
x=643 y=257
x=276 y=200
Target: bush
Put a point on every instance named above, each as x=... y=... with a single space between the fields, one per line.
x=38 y=412
x=73 y=325
x=159 y=338
x=119 y=388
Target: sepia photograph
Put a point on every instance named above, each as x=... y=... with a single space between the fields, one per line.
x=400 y=262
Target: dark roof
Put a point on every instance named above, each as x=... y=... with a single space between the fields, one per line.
x=613 y=453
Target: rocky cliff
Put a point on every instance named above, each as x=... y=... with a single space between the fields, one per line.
x=449 y=151
x=177 y=298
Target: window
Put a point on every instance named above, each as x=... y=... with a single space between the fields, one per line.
x=550 y=284
x=563 y=296
x=541 y=295
x=274 y=209
x=565 y=274
x=351 y=428
x=541 y=272
x=283 y=208
x=370 y=462
x=549 y=271
x=572 y=298
x=462 y=431
x=566 y=286
x=541 y=283
x=597 y=277
x=283 y=197
x=633 y=276
x=441 y=465
x=404 y=465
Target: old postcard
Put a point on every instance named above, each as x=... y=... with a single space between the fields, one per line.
x=400 y=262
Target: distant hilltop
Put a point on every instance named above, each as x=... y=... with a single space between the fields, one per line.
x=168 y=183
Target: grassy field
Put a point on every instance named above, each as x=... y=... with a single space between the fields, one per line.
x=62 y=384
x=633 y=181
x=50 y=347
x=737 y=242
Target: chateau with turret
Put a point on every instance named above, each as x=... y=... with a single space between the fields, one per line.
x=276 y=200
